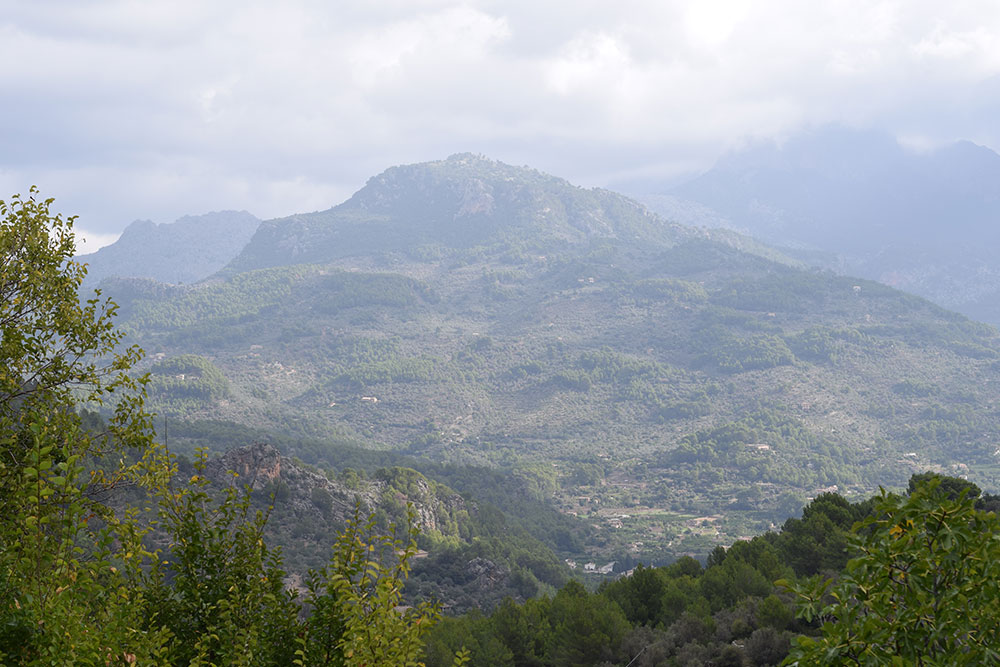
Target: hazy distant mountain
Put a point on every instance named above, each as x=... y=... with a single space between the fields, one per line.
x=185 y=251
x=462 y=202
x=926 y=222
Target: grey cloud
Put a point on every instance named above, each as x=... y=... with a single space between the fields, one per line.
x=157 y=109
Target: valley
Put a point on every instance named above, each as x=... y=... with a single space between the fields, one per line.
x=666 y=388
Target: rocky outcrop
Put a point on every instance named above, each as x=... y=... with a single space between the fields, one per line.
x=256 y=466
x=262 y=468
x=486 y=575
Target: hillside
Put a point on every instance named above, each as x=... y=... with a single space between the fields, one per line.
x=657 y=381
x=925 y=222
x=463 y=202
x=184 y=251
x=460 y=563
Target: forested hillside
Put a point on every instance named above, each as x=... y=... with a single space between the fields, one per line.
x=675 y=388
x=501 y=432
x=915 y=579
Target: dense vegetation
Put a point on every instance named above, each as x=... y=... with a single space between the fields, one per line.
x=551 y=377
x=109 y=556
x=913 y=577
x=655 y=375
x=106 y=556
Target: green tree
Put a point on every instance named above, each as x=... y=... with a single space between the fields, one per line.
x=357 y=618
x=925 y=589
x=225 y=601
x=524 y=629
x=78 y=584
x=57 y=352
x=586 y=629
x=472 y=632
x=69 y=567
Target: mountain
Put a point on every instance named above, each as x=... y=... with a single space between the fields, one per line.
x=664 y=387
x=185 y=251
x=463 y=202
x=926 y=222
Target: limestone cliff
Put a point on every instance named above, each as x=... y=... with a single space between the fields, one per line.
x=308 y=493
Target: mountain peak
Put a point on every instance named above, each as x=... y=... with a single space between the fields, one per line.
x=463 y=201
x=192 y=248
x=920 y=220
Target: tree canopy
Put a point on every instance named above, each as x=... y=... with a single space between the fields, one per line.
x=924 y=588
x=106 y=558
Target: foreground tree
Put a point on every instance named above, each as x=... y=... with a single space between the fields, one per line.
x=357 y=618
x=64 y=597
x=219 y=590
x=78 y=583
x=925 y=589
x=57 y=353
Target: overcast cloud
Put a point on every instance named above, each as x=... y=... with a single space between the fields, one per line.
x=149 y=109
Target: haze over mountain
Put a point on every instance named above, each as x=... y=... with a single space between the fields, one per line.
x=184 y=251
x=564 y=381
x=462 y=202
x=643 y=373
x=925 y=221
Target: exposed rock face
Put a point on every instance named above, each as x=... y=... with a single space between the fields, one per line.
x=260 y=466
x=476 y=199
x=256 y=465
x=485 y=574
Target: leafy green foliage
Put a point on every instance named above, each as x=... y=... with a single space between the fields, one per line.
x=731 y=353
x=356 y=617
x=71 y=583
x=385 y=372
x=66 y=593
x=350 y=290
x=243 y=296
x=784 y=291
x=919 y=588
x=670 y=290
x=187 y=378
x=219 y=590
x=508 y=319
x=651 y=616
x=55 y=351
x=924 y=588
x=85 y=577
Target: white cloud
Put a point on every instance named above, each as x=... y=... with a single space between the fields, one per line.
x=711 y=23
x=88 y=242
x=132 y=109
x=454 y=35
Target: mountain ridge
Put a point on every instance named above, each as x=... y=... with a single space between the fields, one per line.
x=922 y=221
x=646 y=382
x=185 y=251
x=463 y=201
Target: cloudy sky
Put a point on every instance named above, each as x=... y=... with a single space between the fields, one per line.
x=149 y=109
